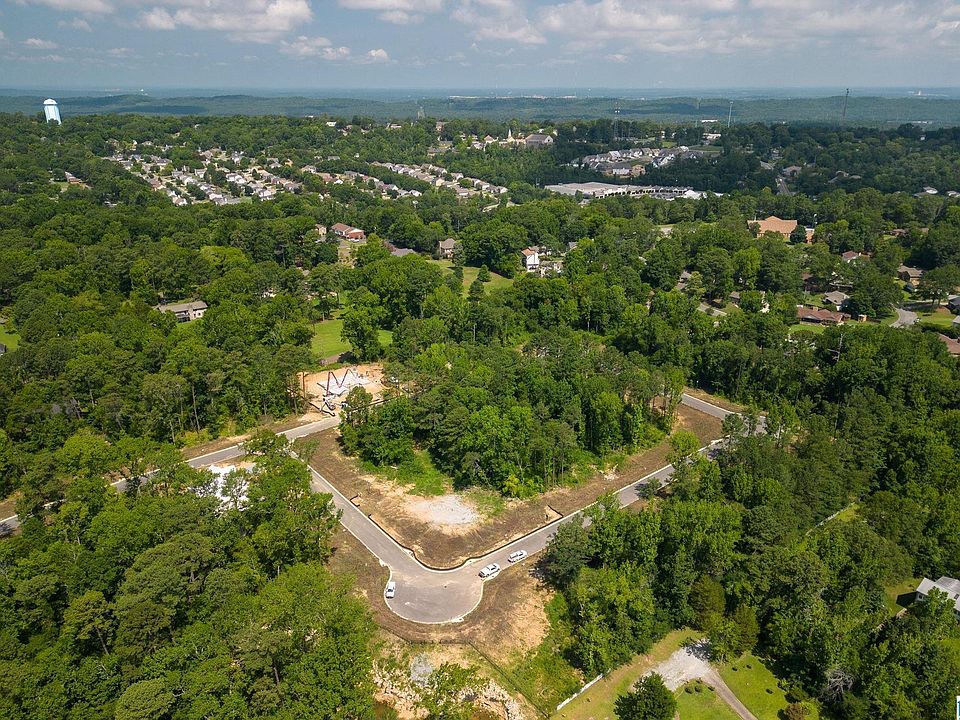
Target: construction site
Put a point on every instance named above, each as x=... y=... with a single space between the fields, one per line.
x=326 y=391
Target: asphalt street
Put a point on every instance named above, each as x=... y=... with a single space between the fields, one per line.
x=423 y=594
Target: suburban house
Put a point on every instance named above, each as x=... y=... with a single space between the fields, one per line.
x=948 y=585
x=402 y=252
x=774 y=224
x=538 y=140
x=836 y=298
x=348 y=232
x=819 y=316
x=953 y=346
x=531 y=259
x=850 y=255
x=909 y=274
x=185 y=312
x=446 y=247
x=953 y=304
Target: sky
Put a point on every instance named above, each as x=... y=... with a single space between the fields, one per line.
x=328 y=44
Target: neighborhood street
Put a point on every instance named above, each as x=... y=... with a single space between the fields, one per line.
x=423 y=594
x=905 y=318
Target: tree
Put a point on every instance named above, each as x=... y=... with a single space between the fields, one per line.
x=936 y=284
x=566 y=554
x=145 y=700
x=360 y=329
x=649 y=700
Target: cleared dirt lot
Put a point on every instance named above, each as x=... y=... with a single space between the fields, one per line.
x=412 y=522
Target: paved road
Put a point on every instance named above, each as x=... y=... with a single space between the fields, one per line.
x=218 y=456
x=425 y=595
x=905 y=318
x=429 y=596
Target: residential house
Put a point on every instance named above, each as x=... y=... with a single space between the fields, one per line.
x=953 y=304
x=909 y=274
x=348 y=232
x=538 y=140
x=773 y=224
x=445 y=248
x=185 y=312
x=953 y=346
x=402 y=252
x=948 y=585
x=820 y=317
x=851 y=256
x=836 y=298
x=531 y=259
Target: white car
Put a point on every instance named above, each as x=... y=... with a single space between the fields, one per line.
x=391 y=590
x=517 y=556
x=491 y=570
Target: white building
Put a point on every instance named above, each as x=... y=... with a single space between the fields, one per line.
x=51 y=111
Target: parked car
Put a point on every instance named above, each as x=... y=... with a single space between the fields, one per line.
x=491 y=570
x=517 y=556
x=391 y=590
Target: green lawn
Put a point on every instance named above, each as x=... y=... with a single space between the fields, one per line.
x=815 y=329
x=597 y=702
x=9 y=338
x=940 y=319
x=419 y=474
x=756 y=686
x=470 y=274
x=326 y=338
x=696 y=701
x=848 y=513
x=892 y=592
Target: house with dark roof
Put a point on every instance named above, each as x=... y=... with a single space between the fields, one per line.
x=445 y=248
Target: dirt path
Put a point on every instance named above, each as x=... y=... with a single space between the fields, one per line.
x=691 y=663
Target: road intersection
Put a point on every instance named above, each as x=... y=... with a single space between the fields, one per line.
x=424 y=594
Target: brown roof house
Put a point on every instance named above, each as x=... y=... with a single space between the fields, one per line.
x=349 y=232
x=777 y=225
x=820 y=317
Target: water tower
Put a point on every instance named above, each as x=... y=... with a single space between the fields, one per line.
x=51 y=111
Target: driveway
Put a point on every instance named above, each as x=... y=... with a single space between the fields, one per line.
x=693 y=663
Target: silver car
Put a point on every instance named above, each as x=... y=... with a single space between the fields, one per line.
x=391 y=590
x=489 y=571
x=517 y=556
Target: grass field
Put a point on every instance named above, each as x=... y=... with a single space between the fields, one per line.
x=326 y=338
x=892 y=592
x=696 y=701
x=756 y=686
x=470 y=274
x=597 y=702
x=10 y=339
x=941 y=319
x=419 y=473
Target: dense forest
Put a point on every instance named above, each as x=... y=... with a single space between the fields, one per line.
x=157 y=602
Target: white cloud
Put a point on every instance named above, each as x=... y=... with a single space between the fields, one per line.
x=252 y=20
x=726 y=26
x=503 y=20
x=336 y=53
x=377 y=56
x=397 y=12
x=304 y=46
x=76 y=24
x=39 y=44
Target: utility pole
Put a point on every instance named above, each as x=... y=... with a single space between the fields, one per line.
x=843 y=115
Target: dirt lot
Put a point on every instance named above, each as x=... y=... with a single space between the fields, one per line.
x=369 y=376
x=446 y=533
x=509 y=622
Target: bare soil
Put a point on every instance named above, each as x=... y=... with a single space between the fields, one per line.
x=274 y=426
x=509 y=621
x=443 y=539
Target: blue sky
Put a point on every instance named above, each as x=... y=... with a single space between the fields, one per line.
x=323 y=44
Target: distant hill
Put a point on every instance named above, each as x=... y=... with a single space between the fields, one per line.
x=860 y=111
